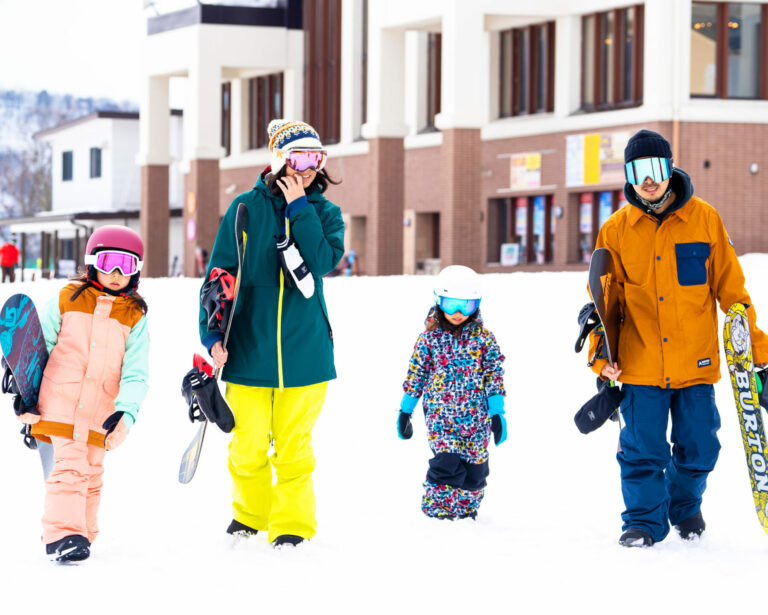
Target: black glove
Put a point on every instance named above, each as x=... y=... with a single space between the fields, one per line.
x=19 y=407
x=217 y=297
x=202 y=393
x=404 y=427
x=112 y=421
x=499 y=428
x=600 y=408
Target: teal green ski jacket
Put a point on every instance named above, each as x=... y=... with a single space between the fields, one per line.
x=278 y=338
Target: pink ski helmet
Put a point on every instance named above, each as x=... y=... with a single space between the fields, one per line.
x=115 y=237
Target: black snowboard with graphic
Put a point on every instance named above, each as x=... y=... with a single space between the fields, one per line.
x=602 y=282
x=23 y=347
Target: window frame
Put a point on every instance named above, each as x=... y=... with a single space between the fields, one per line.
x=721 y=54
x=509 y=98
x=602 y=100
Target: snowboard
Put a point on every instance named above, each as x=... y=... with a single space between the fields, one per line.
x=191 y=456
x=23 y=346
x=741 y=369
x=602 y=277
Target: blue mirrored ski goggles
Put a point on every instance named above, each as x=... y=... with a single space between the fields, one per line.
x=465 y=306
x=658 y=169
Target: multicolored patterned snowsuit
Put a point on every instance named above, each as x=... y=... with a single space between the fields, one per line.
x=455 y=374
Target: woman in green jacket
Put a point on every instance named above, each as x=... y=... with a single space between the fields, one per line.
x=279 y=355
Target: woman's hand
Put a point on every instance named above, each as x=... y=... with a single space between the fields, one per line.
x=292 y=187
x=219 y=355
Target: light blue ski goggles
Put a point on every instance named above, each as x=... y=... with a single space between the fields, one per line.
x=465 y=306
x=658 y=169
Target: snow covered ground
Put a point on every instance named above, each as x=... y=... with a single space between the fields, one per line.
x=546 y=537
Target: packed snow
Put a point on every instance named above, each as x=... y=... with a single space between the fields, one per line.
x=545 y=540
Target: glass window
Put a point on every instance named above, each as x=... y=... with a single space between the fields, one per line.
x=612 y=59
x=95 y=162
x=588 y=62
x=66 y=166
x=265 y=103
x=527 y=70
x=226 y=117
x=434 y=78
x=703 y=49
x=606 y=57
x=744 y=42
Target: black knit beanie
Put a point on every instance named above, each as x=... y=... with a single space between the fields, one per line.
x=646 y=143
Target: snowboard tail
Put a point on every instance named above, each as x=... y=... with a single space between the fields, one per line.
x=741 y=369
x=602 y=277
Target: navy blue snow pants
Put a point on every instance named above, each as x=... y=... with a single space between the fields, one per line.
x=660 y=488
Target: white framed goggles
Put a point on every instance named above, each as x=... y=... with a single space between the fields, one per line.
x=655 y=167
x=107 y=261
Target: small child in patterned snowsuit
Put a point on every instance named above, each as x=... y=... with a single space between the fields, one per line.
x=456 y=369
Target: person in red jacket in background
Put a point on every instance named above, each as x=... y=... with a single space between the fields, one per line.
x=9 y=257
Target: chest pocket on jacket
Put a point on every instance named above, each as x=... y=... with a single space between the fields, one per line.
x=692 y=263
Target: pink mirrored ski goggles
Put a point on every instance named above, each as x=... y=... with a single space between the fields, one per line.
x=302 y=160
x=107 y=261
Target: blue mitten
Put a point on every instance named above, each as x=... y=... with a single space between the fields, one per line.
x=404 y=427
x=498 y=422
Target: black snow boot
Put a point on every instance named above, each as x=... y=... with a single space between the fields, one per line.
x=636 y=537
x=240 y=529
x=73 y=548
x=692 y=527
x=287 y=540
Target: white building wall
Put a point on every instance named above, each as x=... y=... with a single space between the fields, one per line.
x=126 y=176
x=81 y=192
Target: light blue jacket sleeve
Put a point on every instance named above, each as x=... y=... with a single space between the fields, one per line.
x=50 y=322
x=135 y=372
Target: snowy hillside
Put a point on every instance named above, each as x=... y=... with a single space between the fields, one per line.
x=545 y=540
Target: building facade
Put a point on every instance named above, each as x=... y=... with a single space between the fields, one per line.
x=487 y=133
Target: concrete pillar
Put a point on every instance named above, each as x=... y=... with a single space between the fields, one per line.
x=202 y=151
x=154 y=159
x=465 y=47
x=385 y=130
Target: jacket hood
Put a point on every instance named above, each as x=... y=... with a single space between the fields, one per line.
x=681 y=186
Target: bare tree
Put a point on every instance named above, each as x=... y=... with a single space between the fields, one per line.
x=25 y=171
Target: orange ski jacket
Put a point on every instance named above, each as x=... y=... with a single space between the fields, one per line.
x=669 y=274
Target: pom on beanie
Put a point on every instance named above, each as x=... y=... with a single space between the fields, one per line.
x=646 y=143
x=286 y=135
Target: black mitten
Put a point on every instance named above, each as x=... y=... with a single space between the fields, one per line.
x=600 y=408
x=404 y=427
x=19 y=407
x=202 y=393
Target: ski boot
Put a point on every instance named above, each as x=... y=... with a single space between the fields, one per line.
x=692 y=527
x=72 y=548
x=636 y=537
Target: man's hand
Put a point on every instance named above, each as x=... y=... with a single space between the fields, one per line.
x=219 y=355
x=611 y=372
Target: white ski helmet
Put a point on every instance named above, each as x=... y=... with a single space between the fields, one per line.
x=458 y=282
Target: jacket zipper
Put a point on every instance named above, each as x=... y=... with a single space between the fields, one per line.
x=280 y=318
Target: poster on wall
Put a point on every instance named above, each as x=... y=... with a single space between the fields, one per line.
x=538 y=215
x=605 y=207
x=521 y=216
x=585 y=214
x=525 y=171
x=595 y=158
x=510 y=254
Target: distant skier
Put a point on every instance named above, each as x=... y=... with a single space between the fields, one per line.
x=9 y=258
x=279 y=355
x=93 y=384
x=673 y=259
x=456 y=369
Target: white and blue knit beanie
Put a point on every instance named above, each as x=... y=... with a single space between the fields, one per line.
x=286 y=135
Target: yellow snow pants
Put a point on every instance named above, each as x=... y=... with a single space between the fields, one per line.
x=283 y=418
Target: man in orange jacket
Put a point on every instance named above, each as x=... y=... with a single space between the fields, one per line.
x=673 y=258
x=9 y=256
